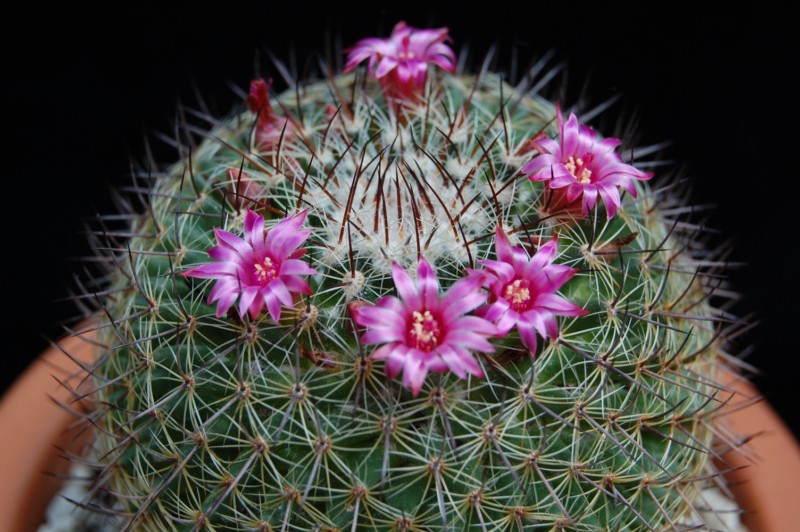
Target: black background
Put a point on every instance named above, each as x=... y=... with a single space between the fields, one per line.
x=81 y=89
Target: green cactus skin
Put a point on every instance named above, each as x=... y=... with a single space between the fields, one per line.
x=223 y=424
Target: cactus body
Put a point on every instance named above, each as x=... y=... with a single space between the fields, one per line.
x=232 y=422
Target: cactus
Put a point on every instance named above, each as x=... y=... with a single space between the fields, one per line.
x=404 y=298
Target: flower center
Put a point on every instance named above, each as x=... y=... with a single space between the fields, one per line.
x=518 y=295
x=424 y=333
x=578 y=168
x=265 y=271
x=403 y=53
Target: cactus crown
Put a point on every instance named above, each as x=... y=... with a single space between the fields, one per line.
x=386 y=301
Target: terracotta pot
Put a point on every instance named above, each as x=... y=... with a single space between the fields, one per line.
x=765 y=486
x=33 y=428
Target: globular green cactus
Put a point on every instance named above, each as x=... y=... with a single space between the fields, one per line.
x=281 y=407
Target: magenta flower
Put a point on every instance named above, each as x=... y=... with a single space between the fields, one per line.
x=581 y=166
x=423 y=332
x=263 y=270
x=523 y=291
x=401 y=61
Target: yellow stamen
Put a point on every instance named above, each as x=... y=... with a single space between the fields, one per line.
x=424 y=331
x=265 y=271
x=583 y=174
x=518 y=294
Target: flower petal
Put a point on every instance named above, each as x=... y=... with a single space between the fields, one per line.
x=273 y=305
x=382 y=335
x=528 y=335
x=414 y=373
x=223 y=288
x=501 y=271
x=464 y=296
x=462 y=362
x=212 y=270
x=225 y=302
x=589 y=199
x=385 y=65
x=282 y=241
x=222 y=253
x=476 y=325
x=296 y=267
x=427 y=284
x=559 y=305
x=503 y=247
x=406 y=288
x=233 y=242
x=377 y=315
x=254 y=231
x=246 y=298
x=545 y=254
x=395 y=355
x=611 y=199
x=281 y=292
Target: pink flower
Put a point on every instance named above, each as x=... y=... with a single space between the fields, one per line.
x=269 y=126
x=523 y=291
x=423 y=332
x=263 y=270
x=581 y=166
x=401 y=61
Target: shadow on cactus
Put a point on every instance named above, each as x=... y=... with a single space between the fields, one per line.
x=406 y=297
